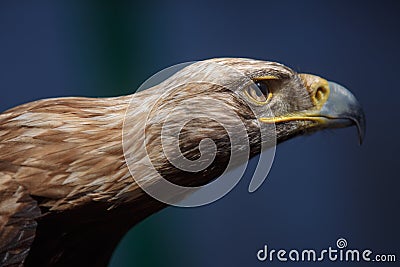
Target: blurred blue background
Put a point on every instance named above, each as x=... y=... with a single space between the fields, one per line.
x=320 y=187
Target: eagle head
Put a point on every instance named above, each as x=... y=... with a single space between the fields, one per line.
x=218 y=113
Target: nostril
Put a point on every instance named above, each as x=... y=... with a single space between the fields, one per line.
x=320 y=93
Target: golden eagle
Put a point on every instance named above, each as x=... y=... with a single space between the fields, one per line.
x=67 y=196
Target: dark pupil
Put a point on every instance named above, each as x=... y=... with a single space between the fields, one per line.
x=263 y=87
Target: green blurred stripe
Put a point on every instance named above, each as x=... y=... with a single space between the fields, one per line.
x=115 y=56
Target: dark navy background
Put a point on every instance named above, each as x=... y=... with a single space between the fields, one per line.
x=320 y=188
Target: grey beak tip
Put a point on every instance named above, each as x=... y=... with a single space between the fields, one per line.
x=361 y=127
x=343 y=104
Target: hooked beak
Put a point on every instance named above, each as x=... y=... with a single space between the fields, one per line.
x=334 y=106
x=343 y=109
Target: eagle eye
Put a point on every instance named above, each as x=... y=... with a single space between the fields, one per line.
x=259 y=94
x=263 y=87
